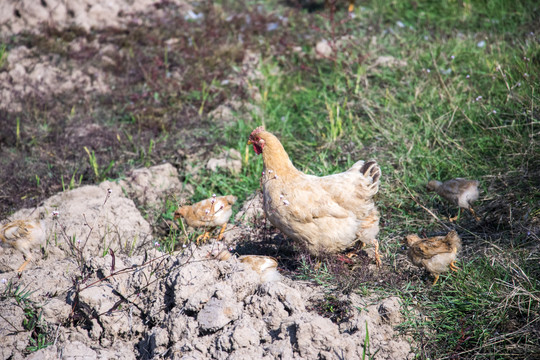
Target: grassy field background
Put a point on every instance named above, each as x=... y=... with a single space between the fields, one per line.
x=431 y=90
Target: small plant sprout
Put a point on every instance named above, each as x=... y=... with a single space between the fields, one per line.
x=207 y=211
x=468 y=76
x=3 y=281
x=156 y=244
x=452 y=57
x=286 y=202
x=270 y=171
x=494 y=111
x=55 y=214
x=525 y=75
x=109 y=191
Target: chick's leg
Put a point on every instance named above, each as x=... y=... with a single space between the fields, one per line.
x=220 y=236
x=21 y=268
x=436 y=279
x=452 y=219
x=204 y=237
x=453 y=266
x=474 y=213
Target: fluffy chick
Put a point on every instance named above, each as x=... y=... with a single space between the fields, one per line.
x=460 y=192
x=435 y=254
x=265 y=266
x=23 y=235
x=209 y=214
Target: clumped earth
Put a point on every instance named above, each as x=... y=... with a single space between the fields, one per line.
x=134 y=301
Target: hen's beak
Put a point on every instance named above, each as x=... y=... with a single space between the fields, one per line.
x=249 y=142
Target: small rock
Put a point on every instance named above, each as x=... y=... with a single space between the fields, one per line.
x=389 y=310
x=230 y=160
x=323 y=49
x=218 y=313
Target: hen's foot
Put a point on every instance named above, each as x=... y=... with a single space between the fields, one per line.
x=377 y=255
x=346 y=258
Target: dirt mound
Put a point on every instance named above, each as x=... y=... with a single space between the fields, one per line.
x=28 y=15
x=103 y=289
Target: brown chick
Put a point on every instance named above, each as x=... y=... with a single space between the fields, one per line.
x=209 y=213
x=460 y=192
x=327 y=214
x=435 y=254
x=265 y=266
x=23 y=235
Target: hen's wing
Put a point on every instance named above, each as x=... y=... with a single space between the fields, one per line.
x=311 y=201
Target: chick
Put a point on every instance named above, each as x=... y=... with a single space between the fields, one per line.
x=23 y=235
x=435 y=254
x=265 y=266
x=460 y=192
x=209 y=213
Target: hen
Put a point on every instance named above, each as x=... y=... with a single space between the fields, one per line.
x=435 y=254
x=460 y=192
x=23 y=235
x=326 y=214
x=209 y=213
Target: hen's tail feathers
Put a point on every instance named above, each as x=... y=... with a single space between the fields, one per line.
x=371 y=169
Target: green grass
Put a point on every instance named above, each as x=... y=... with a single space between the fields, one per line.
x=464 y=104
x=33 y=323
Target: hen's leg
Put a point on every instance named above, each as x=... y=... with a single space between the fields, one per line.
x=351 y=6
x=220 y=236
x=453 y=266
x=377 y=256
x=436 y=279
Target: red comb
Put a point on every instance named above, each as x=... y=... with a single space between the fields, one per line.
x=257 y=130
